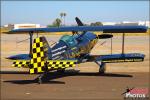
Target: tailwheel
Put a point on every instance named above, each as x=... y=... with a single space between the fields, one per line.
x=41 y=77
x=102 y=68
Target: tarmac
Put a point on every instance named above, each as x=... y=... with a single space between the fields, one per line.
x=70 y=85
x=84 y=82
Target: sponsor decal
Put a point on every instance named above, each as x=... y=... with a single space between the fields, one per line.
x=58 y=53
x=123 y=60
x=60 y=48
x=136 y=94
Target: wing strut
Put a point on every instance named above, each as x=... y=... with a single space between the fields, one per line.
x=31 y=37
x=111 y=44
x=123 y=38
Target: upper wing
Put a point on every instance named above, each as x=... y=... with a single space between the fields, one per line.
x=105 y=29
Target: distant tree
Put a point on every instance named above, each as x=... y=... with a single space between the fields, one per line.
x=61 y=16
x=57 y=22
x=86 y=24
x=96 y=24
x=64 y=17
x=92 y=24
x=51 y=26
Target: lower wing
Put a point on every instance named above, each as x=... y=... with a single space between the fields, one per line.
x=117 y=58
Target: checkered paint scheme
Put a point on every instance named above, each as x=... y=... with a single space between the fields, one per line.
x=39 y=59
x=21 y=63
x=60 y=64
x=39 y=55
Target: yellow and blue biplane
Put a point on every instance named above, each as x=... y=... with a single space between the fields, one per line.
x=72 y=49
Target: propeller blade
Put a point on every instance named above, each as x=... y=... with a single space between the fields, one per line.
x=105 y=36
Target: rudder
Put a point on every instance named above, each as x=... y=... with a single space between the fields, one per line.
x=39 y=55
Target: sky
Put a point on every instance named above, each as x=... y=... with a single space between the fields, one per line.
x=45 y=12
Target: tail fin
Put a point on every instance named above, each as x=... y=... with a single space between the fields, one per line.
x=39 y=55
x=79 y=22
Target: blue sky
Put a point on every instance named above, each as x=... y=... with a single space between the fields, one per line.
x=44 y=12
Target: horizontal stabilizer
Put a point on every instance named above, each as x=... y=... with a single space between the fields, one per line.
x=19 y=57
x=60 y=64
x=21 y=63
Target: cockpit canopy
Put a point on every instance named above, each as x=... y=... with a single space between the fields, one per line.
x=69 y=40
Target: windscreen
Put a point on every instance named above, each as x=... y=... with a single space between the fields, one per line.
x=69 y=40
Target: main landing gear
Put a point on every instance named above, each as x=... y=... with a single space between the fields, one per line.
x=102 y=67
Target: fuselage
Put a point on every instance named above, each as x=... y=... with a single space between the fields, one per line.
x=75 y=46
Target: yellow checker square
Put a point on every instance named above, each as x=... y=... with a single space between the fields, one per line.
x=41 y=44
x=42 y=63
x=49 y=67
x=37 y=40
x=60 y=65
x=19 y=65
x=17 y=62
x=58 y=62
x=41 y=54
x=39 y=69
x=71 y=62
x=67 y=65
x=64 y=62
x=73 y=65
x=31 y=61
x=38 y=49
x=39 y=59
x=32 y=71
x=34 y=45
x=34 y=55
x=24 y=62
x=50 y=62
x=53 y=65
x=35 y=65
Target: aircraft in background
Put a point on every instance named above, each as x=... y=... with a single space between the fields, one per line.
x=72 y=49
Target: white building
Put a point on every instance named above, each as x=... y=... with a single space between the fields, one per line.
x=145 y=23
x=127 y=23
x=109 y=23
x=20 y=26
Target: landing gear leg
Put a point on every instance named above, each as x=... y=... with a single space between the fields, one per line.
x=102 y=67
